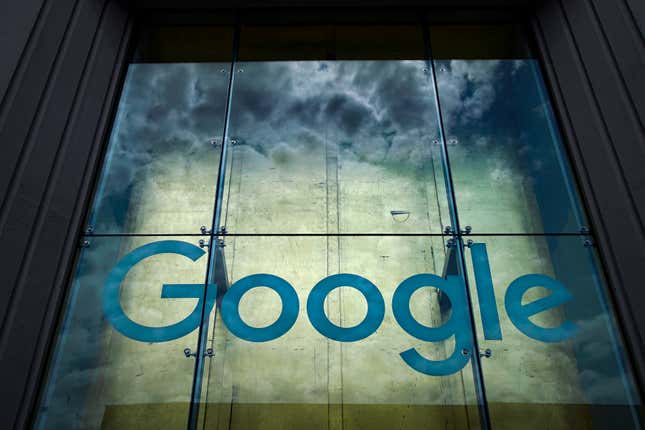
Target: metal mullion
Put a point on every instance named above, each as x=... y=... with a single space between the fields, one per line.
x=89 y=235
x=193 y=416
x=478 y=375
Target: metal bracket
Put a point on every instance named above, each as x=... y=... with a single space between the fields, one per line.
x=588 y=242
x=467 y=230
x=203 y=244
x=448 y=230
x=469 y=243
x=204 y=230
x=450 y=243
x=487 y=353
x=189 y=353
x=222 y=230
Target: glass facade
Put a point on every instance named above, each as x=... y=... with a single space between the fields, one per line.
x=337 y=227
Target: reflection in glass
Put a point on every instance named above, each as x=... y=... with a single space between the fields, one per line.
x=306 y=380
x=161 y=167
x=580 y=382
x=334 y=129
x=353 y=140
x=103 y=379
x=506 y=157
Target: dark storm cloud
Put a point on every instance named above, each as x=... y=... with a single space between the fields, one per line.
x=365 y=106
x=381 y=111
x=164 y=109
x=376 y=111
x=350 y=114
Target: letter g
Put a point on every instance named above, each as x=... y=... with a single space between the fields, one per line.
x=124 y=325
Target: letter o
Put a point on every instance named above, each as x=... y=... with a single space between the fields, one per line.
x=231 y=311
x=372 y=320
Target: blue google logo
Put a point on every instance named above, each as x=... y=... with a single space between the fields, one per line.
x=456 y=325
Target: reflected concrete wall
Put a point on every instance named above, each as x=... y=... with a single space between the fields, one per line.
x=303 y=380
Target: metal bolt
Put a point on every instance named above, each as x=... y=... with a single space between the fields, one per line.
x=435 y=142
x=189 y=353
x=89 y=229
x=240 y=70
x=465 y=352
x=447 y=230
x=85 y=244
x=467 y=230
x=469 y=243
x=487 y=353
x=453 y=142
x=222 y=230
x=222 y=71
x=233 y=142
x=220 y=243
x=584 y=230
x=204 y=230
x=450 y=243
x=202 y=243
x=588 y=243
x=442 y=69
x=214 y=141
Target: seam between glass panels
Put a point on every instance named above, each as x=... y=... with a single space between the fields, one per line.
x=478 y=375
x=193 y=415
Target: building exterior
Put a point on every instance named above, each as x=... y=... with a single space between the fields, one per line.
x=329 y=215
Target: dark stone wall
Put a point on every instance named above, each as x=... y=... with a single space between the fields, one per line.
x=594 y=57
x=61 y=61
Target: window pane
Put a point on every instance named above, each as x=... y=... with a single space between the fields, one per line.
x=160 y=170
x=334 y=144
x=304 y=379
x=559 y=365
x=508 y=165
x=108 y=373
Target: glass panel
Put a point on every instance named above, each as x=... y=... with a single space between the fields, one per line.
x=557 y=361
x=304 y=379
x=507 y=160
x=119 y=360
x=334 y=139
x=163 y=156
